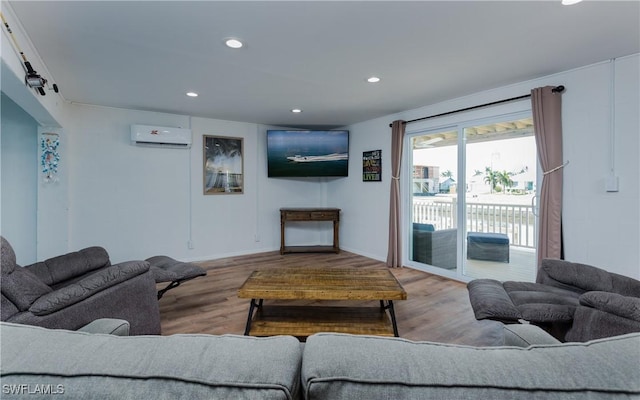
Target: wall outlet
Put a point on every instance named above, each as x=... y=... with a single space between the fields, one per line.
x=190 y=244
x=256 y=237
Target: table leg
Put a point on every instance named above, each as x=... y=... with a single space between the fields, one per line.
x=252 y=305
x=392 y=314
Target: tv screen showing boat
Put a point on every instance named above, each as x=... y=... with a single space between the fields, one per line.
x=307 y=153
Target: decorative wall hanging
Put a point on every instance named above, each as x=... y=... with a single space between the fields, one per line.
x=372 y=166
x=223 y=165
x=50 y=157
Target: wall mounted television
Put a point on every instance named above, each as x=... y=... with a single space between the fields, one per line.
x=292 y=153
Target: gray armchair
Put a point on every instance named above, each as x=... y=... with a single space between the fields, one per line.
x=572 y=301
x=70 y=291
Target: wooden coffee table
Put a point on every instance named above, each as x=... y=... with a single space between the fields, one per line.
x=316 y=283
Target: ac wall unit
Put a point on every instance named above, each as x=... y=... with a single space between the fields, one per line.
x=159 y=136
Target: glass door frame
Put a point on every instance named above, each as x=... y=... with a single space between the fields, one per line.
x=456 y=122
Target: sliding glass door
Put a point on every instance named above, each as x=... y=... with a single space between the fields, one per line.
x=434 y=199
x=471 y=201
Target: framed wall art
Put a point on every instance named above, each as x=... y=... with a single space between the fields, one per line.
x=223 y=165
x=372 y=166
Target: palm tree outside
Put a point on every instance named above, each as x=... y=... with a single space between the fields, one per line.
x=491 y=178
x=504 y=178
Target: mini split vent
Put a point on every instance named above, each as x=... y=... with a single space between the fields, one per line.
x=159 y=136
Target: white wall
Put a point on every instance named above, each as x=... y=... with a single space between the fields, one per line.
x=139 y=201
x=365 y=205
x=600 y=228
x=19 y=171
x=131 y=200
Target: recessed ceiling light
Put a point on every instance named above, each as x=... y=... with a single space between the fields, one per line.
x=192 y=94
x=296 y=110
x=373 y=79
x=233 y=43
x=570 y=2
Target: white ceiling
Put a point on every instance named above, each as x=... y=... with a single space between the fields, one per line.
x=314 y=55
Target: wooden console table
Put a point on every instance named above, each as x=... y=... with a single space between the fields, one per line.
x=310 y=214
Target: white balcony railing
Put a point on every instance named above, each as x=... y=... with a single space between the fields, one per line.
x=515 y=220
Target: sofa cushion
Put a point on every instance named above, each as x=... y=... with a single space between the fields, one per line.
x=487 y=237
x=339 y=366
x=23 y=288
x=423 y=227
x=7 y=308
x=89 y=286
x=511 y=301
x=159 y=367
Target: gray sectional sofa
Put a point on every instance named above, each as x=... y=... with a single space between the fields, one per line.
x=328 y=366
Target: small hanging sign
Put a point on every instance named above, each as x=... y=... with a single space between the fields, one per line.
x=372 y=166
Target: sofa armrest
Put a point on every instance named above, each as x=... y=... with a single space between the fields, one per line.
x=111 y=326
x=525 y=335
x=613 y=303
x=92 y=284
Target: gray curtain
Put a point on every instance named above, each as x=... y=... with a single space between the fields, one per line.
x=394 y=256
x=547 y=123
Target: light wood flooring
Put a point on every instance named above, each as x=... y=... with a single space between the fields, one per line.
x=437 y=309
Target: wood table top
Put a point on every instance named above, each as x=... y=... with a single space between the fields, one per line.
x=317 y=283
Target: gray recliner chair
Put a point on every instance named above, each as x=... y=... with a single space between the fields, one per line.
x=72 y=290
x=572 y=301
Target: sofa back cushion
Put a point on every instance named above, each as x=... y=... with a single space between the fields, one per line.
x=364 y=367
x=161 y=367
x=423 y=227
x=72 y=265
x=582 y=278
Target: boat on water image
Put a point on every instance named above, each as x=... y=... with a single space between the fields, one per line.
x=328 y=157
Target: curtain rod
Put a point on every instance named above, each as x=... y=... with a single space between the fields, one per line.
x=557 y=89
